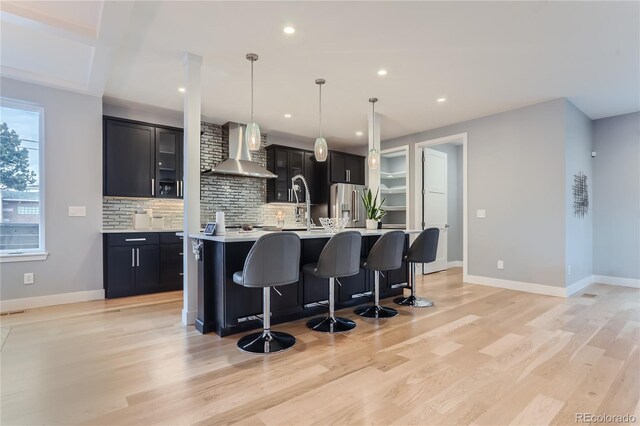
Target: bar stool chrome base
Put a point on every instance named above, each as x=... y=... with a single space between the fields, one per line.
x=376 y=311
x=414 y=302
x=331 y=325
x=266 y=342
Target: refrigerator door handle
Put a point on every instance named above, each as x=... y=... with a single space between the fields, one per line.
x=354 y=206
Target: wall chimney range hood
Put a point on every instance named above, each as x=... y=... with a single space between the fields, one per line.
x=239 y=162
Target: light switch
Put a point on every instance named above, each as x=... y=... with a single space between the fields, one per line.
x=500 y=264
x=77 y=211
x=481 y=213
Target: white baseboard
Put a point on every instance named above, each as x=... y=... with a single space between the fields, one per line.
x=54 y=299
x=623 y=282
x=516 y=285
x=579 y=285
x=552 y=290
x=454 y=264
x=189 y=317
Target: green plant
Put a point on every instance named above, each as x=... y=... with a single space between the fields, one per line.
x=374 y=210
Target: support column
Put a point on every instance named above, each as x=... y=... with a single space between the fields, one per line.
x=373 y=176
x=191 y=178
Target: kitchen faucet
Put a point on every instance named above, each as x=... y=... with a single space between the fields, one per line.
x=307 y=196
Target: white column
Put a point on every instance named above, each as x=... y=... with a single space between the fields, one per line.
x=191 y=191
x=373 y=180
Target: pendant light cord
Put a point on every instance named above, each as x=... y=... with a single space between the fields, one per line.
x=252 y=91
x=320 y=111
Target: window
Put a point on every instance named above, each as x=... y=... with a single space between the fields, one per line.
x=21 y=178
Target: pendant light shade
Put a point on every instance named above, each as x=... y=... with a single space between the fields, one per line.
x=252 y=135
x=320 y=149
x=373 y=159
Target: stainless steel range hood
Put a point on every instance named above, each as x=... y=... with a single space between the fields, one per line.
x=239 y=162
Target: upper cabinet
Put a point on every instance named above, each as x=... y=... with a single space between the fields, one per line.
x=346 y=168
x=287 y=163
x=141 y=160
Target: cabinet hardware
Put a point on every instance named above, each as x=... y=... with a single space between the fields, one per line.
x=133 y=259
x=153 y=186
x=181 y=274
x=182 y=188
x=181 y=254
x=135 y=239
x=137 y=257
x=177 y=188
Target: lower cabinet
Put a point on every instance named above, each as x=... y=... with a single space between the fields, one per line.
x=141 y=263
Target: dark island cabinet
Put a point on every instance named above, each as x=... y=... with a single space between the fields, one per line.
x=346 y=168
x=142 y=159
x=141 y=263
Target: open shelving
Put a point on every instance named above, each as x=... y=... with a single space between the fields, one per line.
x=394 y=168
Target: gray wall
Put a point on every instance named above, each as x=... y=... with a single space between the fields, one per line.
x=616 y=196
x=454 y=198
x=72 y=177
x=516 y=172
x=578 y=230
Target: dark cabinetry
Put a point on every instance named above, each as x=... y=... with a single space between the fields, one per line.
x=141 y=159
x=346 y=168
x=286 y=163
x=140 y=263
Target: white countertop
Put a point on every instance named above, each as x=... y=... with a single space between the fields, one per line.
x=131 y=231
x=235 y=236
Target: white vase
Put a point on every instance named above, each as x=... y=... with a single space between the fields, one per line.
x=372 y=224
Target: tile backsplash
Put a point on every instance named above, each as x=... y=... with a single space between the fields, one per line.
x=117 y=212
x=241 y=198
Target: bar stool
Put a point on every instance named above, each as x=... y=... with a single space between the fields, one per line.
x=340 y=257
x=423 y=250
x=273 y=260
x=385 y=255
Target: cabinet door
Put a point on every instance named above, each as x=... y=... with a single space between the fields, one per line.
x=120 y=271
x=147 y=268
x=337 y=166
x=168 y=163
x=310 y=172
x=296 y=167
x=282 y=183
x=171 y=266
x=129 y=165
x=355 y=167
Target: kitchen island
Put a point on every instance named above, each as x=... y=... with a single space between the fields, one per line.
x=227 y=308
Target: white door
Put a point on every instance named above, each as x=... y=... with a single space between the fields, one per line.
x=435 y=203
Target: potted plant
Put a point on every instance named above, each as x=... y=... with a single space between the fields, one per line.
x=373 y=209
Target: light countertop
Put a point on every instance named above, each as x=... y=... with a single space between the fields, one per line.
x=131 y=231
x=235 y=236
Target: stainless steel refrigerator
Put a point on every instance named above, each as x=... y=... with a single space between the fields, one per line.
x=345 y=200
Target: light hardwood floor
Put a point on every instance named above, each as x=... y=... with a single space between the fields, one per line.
x=482 y=355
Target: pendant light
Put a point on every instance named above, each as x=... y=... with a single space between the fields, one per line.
x=320 y=149
x=252 y=132
x=373 y=160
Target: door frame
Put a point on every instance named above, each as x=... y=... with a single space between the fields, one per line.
x=417 y=186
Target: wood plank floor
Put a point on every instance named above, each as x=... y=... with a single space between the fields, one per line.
x=482 y=355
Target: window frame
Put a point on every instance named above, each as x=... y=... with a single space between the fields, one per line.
x=39 y=253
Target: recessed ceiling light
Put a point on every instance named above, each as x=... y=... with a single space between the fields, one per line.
x=382 y=72
x=289 y=30
x=358 y=133
x=442 y=99
x=287 y=116
x=181 y=89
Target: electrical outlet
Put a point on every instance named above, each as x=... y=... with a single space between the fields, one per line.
x=29 y=278
x=500 y=264
x=77 y=211
x=481 y=214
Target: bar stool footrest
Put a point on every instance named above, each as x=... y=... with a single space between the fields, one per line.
x=331 y=325
x=414 y=302
x=376 y=312
x=266 y=342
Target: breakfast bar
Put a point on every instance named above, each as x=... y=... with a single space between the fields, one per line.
x=227 y=308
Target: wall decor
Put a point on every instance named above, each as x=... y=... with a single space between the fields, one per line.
x=580 y=195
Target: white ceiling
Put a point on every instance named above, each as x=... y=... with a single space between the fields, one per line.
x=484 y=57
